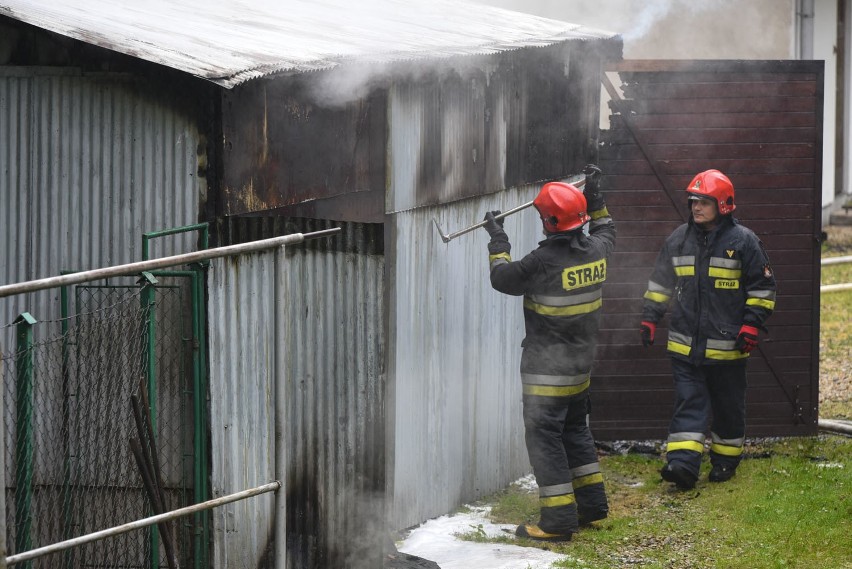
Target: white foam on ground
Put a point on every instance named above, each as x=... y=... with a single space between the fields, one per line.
x=435 y=540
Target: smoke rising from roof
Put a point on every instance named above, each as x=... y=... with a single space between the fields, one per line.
x=679 y=29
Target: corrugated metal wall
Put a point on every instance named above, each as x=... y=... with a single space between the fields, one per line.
x=455 y=343
x=241 y=328
x=86 y=166
x=331 y=328
x=455 y=346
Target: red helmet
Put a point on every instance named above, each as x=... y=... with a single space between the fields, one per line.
x=714 y=185
x=562 y=207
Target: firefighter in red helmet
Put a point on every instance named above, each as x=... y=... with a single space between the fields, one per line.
x=561 y=282
x=715 y=276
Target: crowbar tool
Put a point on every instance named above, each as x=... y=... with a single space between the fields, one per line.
x=446 y=238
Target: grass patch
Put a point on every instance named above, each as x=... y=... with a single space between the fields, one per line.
x=791 y=509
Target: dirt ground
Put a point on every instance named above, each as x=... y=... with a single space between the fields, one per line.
x=839 y=240
x=836 y=376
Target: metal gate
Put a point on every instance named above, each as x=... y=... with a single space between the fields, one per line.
x=760 y=122
x=71 y=385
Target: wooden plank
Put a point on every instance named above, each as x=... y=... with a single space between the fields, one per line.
x=674 y=69
x=733 y=167
x=743 y=119
x=713 y=89
x=745 y=212
x=713 y=135
x=710 y=106
x=797 y=182
x=699 y=149
x=638 y=228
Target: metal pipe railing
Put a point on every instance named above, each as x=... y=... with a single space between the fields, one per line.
x=836 y=260
x=145 y=522
x=835 y=287
x=162 y=262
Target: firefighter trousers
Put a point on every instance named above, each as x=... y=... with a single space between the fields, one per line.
x=564 y=460
x=705 y=395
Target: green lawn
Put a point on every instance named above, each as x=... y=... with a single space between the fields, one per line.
x=789 y=506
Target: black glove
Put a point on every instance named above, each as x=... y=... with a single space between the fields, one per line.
x=494 y=227
x=592 y=189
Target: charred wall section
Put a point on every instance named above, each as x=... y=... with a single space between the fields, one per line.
x=307 y=319
x=481 y=125
x=760 y=122
x=334 y=143
x=286 y=150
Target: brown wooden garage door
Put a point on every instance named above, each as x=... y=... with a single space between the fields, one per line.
x=760 y=122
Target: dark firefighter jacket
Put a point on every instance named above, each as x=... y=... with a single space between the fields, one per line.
x=715 y=281
x=561 y=282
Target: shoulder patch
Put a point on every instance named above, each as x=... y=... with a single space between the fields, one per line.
x=730 y=253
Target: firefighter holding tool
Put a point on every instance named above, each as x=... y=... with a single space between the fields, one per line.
x=715 y=275
x=561 y=282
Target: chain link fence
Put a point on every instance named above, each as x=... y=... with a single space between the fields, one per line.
x=69 y=389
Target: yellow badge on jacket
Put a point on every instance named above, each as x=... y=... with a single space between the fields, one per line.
x=581 y=276
x=727 y=284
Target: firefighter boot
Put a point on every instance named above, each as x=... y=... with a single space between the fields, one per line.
x=678 y=475
x=721 y=473
x=530 y=531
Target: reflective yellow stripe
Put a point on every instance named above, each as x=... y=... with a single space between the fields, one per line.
x=555 y=501
x=597 y=214
x=726 y=450
x=585 y=308
x=492 y=258
x=678 y=348
x=725 y=354
x=657 y=297
x=556 y=390
x=685 y=271
x=762 y=302
x=721 y=273
x=685 y=445
x=587 y=480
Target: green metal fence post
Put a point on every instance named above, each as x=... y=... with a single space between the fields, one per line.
x=148 y=297
x=202 y=539
x=67 y=533
x=201 y=525
x=24 y=437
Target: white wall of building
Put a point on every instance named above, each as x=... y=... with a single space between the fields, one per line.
x=825 y=48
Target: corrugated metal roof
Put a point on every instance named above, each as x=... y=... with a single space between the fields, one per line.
x=229 y=42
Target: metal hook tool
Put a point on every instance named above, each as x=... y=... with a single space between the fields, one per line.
x=447 y=237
